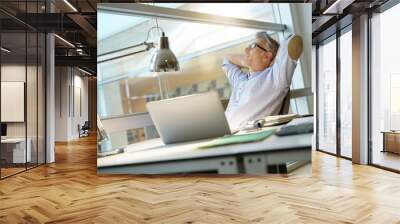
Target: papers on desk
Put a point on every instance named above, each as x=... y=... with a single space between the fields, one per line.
x=239 y=138
x=269 y=121
x=278 y=119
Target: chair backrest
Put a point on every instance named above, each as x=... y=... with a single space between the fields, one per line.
x=225 y=103
x=86 y=125
x=285 y=104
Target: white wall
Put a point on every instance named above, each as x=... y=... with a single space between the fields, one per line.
x=15 y=73
x=33 y=126
x=80 y=94
x=69 y=85
x=12 y=73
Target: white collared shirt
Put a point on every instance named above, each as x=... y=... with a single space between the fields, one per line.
x=258 y=94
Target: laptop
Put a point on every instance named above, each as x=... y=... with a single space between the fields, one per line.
x=189 y=118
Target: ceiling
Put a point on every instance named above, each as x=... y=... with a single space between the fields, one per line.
x=76 y=22
x=332 y=15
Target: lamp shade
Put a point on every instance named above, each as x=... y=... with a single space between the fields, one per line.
x=163 y=59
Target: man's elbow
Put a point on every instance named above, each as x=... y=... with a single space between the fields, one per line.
x=295 y=47
x=229 y=58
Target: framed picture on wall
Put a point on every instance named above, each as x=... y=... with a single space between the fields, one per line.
x=12 y=101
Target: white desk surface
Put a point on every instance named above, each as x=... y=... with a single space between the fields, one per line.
x=13 y=140
x=154 y=150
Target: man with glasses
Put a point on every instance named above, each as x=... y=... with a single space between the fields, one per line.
x=261 y=90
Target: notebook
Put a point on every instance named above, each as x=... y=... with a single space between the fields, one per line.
x=238 y=138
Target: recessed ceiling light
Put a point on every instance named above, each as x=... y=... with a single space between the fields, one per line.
x=5 y=50
x=70 y=5
x=86 y=72
x=338 y=6
x=64 y=40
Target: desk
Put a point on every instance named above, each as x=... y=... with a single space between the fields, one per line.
x=391 y=141
x=153 y=157
x=16 y=147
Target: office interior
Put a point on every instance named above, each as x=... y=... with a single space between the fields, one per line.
x=357 y=83
x=338 y=190
x=48 y=93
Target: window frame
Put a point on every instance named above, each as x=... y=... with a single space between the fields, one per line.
x=371 y=14
x=334 y=37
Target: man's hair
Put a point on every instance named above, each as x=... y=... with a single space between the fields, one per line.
x=272 y=44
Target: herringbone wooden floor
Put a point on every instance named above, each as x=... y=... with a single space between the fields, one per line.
x=70 y=191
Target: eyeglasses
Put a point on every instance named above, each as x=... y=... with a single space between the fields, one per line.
x=254 y=45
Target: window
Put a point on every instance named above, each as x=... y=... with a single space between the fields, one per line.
x=385 y=85
x=327 y=96
x=346 y=94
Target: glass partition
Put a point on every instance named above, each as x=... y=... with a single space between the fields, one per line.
x=22 y=90
x=31 y=98
x=385 y=89
x=15 y=152
x=346 y=94
x=327 y=96
x=41 y=97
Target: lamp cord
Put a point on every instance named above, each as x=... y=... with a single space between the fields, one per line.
x=157 y=22
x=158 y=75
x=157 y=26
x=148 y=32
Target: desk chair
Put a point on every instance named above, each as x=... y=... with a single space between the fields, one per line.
x=285 y=104
x=84 y=130
x=224 y=103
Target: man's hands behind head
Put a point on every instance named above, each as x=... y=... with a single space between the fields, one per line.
x=238 y=59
